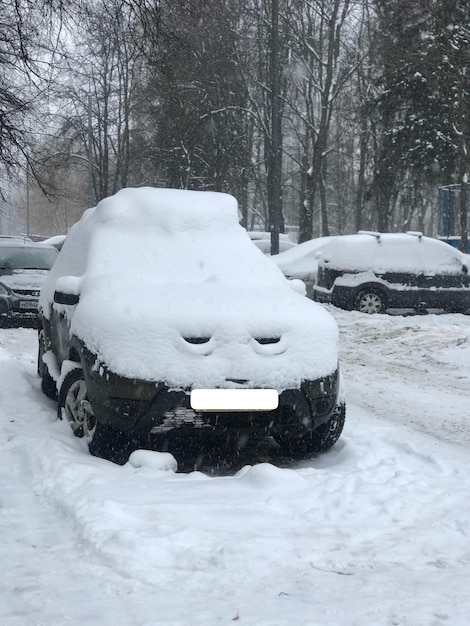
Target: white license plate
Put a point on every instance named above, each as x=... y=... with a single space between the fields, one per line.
x=234 y=399
x=29 y=305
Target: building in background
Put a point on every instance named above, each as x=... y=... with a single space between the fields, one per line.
x=448 y=214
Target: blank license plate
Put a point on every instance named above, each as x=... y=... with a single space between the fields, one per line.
x=234 y=399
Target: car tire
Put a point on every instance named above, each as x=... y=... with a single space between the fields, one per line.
x=48 y=384
x=370 y=300
x=105 y=441
x=112 y=444
x=319 y=440
x=74 y=406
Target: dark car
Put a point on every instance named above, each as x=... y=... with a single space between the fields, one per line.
x=161 y=317
x=372 y=272
x=23 y=268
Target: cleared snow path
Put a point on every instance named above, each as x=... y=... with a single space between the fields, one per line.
x=376 y=532
x=47 y=578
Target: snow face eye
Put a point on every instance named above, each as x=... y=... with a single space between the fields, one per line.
x=265 y=341
x=197 y=344
x=197 y=340
x=269 y=345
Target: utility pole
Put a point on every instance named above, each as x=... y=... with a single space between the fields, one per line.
x=275 y=156
x=28 y=217
x=90 y=156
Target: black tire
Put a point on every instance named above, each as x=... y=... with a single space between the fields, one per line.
x=73 y=405
x=112 y=444
x=370 y=300
x=319 y=440
x=105 y=441
x=48 y=384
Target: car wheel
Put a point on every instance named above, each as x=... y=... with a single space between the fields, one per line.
x=74 y=406
x=48 y=385
x=112 y=444
x=371 y=301
x=319 y=440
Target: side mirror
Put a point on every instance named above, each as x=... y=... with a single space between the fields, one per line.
x=66 y=298
x=67 y=290
x=464 y=269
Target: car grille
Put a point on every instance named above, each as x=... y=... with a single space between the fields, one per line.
x=178 y=418
x=27 y=292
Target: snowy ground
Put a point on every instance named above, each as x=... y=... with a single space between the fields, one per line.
x=376 y=532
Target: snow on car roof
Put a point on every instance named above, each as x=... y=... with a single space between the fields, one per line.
x=53 y=241
x=404 y=252
x=156 y=265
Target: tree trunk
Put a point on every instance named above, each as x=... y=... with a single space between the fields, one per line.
x=463 y=204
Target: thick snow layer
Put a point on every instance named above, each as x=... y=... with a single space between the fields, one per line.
x=391 y=252
x=55 y=240
x=155 y=266
x=301 y=261
x=375 y=532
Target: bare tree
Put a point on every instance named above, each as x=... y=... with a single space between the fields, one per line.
x=316 y=47
x=98 y=78
x=26 y=28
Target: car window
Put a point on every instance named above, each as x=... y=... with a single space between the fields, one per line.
x=25 y=258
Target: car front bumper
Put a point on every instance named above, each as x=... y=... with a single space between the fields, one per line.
x=146 y=407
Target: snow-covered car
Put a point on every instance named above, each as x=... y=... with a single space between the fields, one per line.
x=160 y=315
x=372 y=272
x=56 y=240
x=301 y=262
x=262 y=240
x=23 y=267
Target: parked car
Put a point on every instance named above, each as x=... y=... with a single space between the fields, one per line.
x=372 y=272
x=22 y=238
x=56 y=240
x=161 y=316
x=262 y=240
x=23 y=268
x=301 y=262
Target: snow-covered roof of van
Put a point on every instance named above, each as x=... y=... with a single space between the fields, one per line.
x=169 y=210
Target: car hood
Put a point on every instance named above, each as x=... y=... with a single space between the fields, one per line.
x=24 y=279
x=207 y=334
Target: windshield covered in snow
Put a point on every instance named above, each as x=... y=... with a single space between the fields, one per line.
x=167 y=236
x=303 y=258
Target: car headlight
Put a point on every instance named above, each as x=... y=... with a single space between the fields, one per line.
x=322 y=393
x=4 y=290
